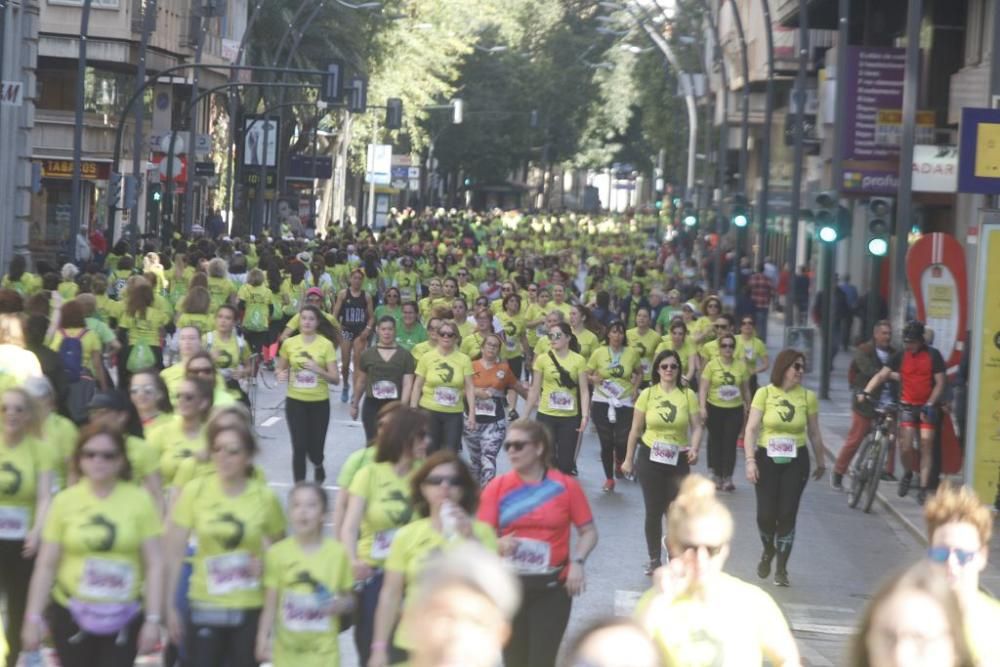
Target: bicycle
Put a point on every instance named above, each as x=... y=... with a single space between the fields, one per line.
x=866 y=470
x=258 y=375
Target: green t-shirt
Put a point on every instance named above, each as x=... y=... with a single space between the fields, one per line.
x=556 y=399
x=444 y=381
x=668 y=415
x=385 y=378
x=303 y=384
x=646 y=346
x=615 y=372
x=388 y=507
x=257 y=301
x=20 y=467
x=724 y=382
x=409 y=338
x=785 y=416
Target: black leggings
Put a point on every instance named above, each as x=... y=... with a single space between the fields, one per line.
x=540 y=623
x=234 y=646
x=516 y=366
x=613 y=437
x=445 y=430
x=15 y=574
x=85 y=650
x=565 y=434
x=779 y=489
x=660 y=483
x=307 y=424
x=724 y=426
x=369 y=414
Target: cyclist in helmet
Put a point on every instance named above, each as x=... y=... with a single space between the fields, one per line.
x=920 y=370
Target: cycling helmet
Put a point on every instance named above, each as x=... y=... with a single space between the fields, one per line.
x=913 y=331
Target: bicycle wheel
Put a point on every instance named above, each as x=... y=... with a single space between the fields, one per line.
x=878 y=456
x=266 y=377
x=860 y=473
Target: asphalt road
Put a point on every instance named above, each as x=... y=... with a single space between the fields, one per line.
x=840 y=554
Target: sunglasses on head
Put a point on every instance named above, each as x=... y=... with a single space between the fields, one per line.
x=516 y=445
x=555 y=335
x=942 y=555
x=90 y=455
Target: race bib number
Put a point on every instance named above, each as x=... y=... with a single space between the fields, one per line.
x=230 y=573
x=446 y=397
x=611 y=389
x=511 y=343
x=729 y=392
x=646 y=365
x=305 y=612
x=662 y=452
x=782 y=448
x=748 y=353
x=13 y=523
x=486 y=407
x=106 y=580
x=305 y=380
x=562 y=401
x=531 y=556
x=385 y=390
x=381 y=543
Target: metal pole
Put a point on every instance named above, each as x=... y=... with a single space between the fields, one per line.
x=192 y=156
x=904 y=204
x=148 y=24
x=723 y=145
x=829 y=345
x=765 y=148
x=315 y=150
x=371 y=178
x=262 y=181
x=744 y=139
x=81 y=77
x=799 y=94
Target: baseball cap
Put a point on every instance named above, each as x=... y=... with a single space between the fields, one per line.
x=314 y=291
x=108 y=400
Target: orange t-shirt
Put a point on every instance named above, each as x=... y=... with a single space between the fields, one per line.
x=498 y=380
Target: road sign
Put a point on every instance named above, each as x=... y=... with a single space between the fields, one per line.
x=379 y=169
x=11 y=93
x=979 y=151
x=204 y=169
x=254 y=130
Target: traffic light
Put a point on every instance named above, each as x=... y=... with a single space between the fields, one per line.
x=394 y=113
x=358 y=100
x=827 y=217
x=131 y=192
x=879 y=225
x=114 y=189
x=690 y=215
x=739 y=213
x=333 y=83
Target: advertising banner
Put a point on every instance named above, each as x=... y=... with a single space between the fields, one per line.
x=982 y=461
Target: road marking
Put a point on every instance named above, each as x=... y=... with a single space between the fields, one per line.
x=270 y=421
x=625 y=602
x=811 y=608
x=823 y=629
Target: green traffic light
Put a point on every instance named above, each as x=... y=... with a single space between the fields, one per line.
x=878 y=247
x=828 y=234
x=659 y=204
x=690 y=220
x=741 y=220
x=157 y=196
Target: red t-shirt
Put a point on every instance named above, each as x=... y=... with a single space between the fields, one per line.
x=916 y=373
x=543 y=511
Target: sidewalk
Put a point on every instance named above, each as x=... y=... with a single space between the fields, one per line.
x=835 y=421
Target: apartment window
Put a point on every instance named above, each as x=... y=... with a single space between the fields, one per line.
x=95 y=4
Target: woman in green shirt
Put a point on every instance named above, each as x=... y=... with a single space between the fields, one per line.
x=410 y=331
x=390 y=307
x=724 y=396
x=667 y=424
x=782 y=415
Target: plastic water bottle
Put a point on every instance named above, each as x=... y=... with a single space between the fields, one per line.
x=449 y=524
x=34 y=659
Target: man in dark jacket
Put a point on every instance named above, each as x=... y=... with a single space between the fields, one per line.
x=869 y=358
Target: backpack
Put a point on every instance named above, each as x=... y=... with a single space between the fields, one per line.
x=140 y=357
x=71 y=353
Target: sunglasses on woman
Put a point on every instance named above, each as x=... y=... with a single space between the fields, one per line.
x=438 y=480
x=942 y=555
x=799 y=366
x=516 y=445
x=669 y=367
x=90 y=455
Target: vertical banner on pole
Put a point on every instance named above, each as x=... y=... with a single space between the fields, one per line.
x=982 y=455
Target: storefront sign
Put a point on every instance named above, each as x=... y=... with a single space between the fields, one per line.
x=982 y=448
x=874 y=83
x=91 y=171
x=935 y=169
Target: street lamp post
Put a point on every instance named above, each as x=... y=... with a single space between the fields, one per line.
x=148 y=25
x=81 y=77
x=744 y=136
x=765 y=149
x=799 y=94
x=199 y=37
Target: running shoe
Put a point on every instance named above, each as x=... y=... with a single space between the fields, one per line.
x=837 y=481
x=618 y=471
x=319 y=474
x=729 y=486
x=921 y=497
x=904 y=484
x=764 y=566
x=718 y=482
x=650 y=567
x=345 y=394
x=888 y=477
x=609 y=486
x=781 y=579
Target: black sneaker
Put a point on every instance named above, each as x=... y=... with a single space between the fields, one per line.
x=513 y=416
x=781 y=579
x=904 y=484
x=888 y=477
x=319 y=474
x=764 y=566
x=837 y=481
x=921 y=497
x=650 y=567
